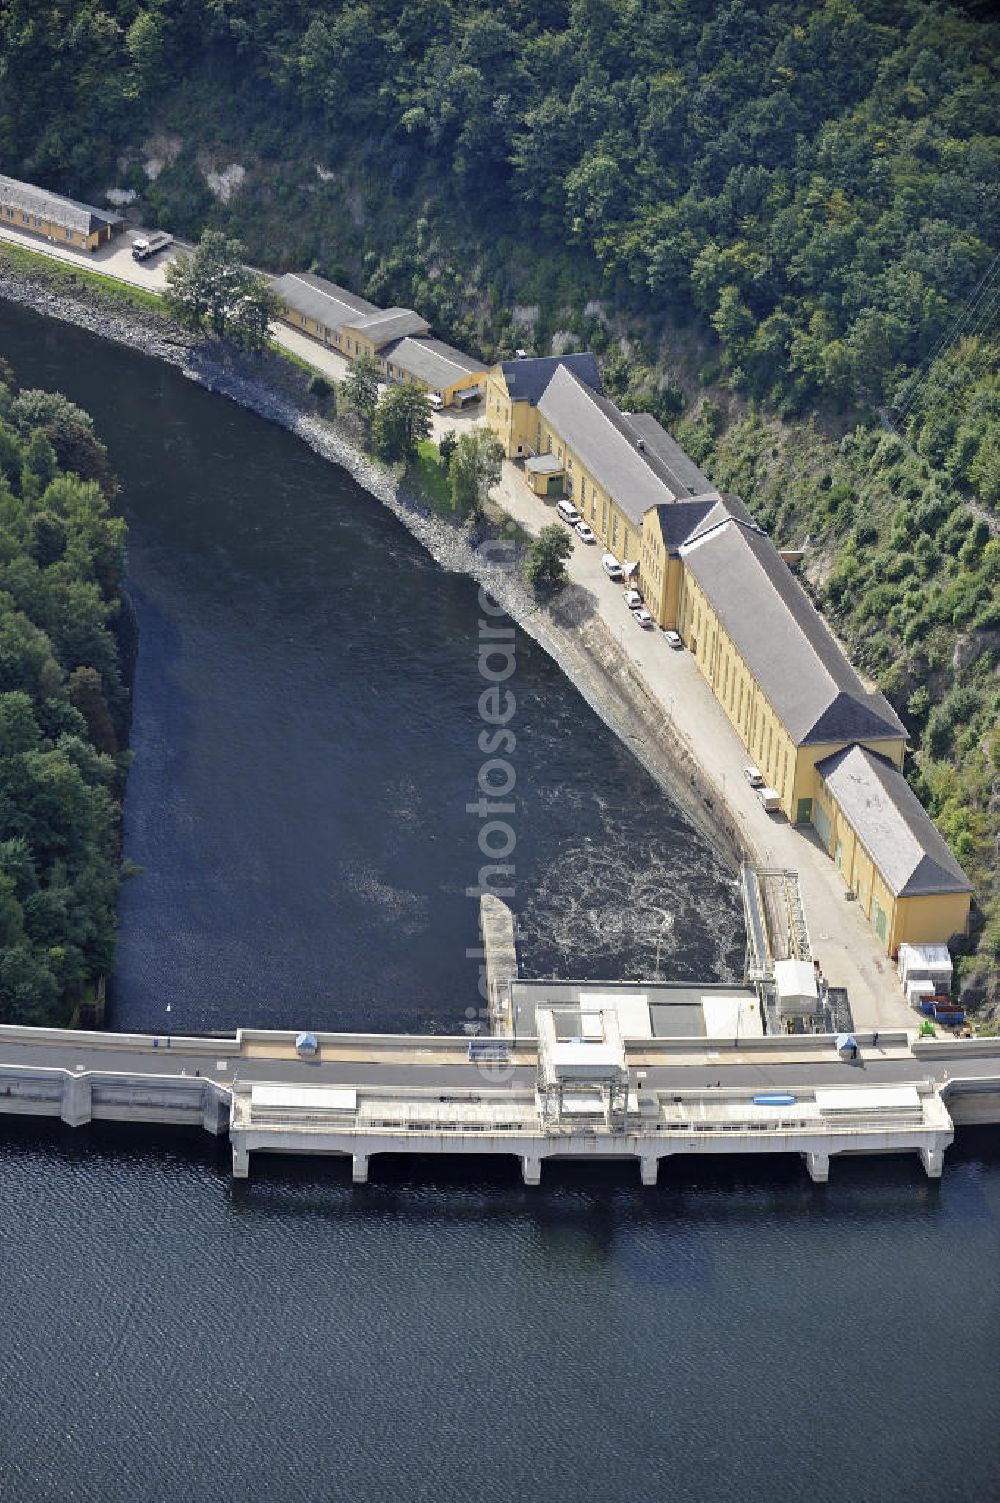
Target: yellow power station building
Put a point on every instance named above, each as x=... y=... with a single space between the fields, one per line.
x=25 y=207
x=829 y=746
x=397 y=339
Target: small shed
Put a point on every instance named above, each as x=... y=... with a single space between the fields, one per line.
x=926 y=963
x=546 y=474
x=306 y=1043
x=795 y=988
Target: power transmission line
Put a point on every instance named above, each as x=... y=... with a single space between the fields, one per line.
x=982 y=296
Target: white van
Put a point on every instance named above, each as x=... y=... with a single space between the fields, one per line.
x=770 y=798
x=568 y=512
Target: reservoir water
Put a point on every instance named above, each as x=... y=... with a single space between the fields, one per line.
x=305 y=733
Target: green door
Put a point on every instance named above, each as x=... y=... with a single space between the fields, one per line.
x=821 y=820
x=803 y=813
x=879 y=921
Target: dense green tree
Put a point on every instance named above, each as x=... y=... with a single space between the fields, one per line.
x=402 y=419
x=361 y=386
x=68 y=429
x=86 y=694
x=63 y=713
x=212 y=291
x=474 y=469
x=545 y=563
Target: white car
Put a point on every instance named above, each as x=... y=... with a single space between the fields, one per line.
x=611 y=566
x=568 y=513
x=633 y=599
x=585 y=532
x=672 y=638
x=435 y=401
x=643 y=617
x=753 y=775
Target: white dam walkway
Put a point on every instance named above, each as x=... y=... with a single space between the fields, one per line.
x=560 y=1097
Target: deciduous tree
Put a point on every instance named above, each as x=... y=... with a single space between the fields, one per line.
x=402 y=419
x=545 y=565
x=474 y=469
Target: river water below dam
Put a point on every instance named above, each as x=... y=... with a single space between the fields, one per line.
x=305 y=735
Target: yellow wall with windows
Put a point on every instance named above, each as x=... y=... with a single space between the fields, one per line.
x=930 y=919
x=789 y=769
x=465 y=382
x=50 y=229
x=807 y=779
x=522 y=430
x=355 y=344
x=739 y=694
x=512 y=422
x=660 y=573
x=619 y=534
x=311 y=326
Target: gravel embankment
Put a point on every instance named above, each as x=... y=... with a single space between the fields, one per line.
x=581 y=645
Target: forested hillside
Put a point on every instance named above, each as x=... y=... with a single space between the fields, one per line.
x=63 y=707
x=792 y=205
x=819 y=182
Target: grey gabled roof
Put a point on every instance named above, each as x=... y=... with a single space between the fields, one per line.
x=432 y=361
x=677 y=468
x=683 y=521
x=679 y=521
x=386 y=324
x=330 y=305
x=527 y=379
x=603 y=440
x=786 y=644
x=892 y=824
x=28 y=199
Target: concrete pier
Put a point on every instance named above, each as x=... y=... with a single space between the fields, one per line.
x=932 y=1158
x=531 y=1170
x=818 y=1167
x=215 y=1109
x=496 y=925
x=77 y=1100
x=359 y=1168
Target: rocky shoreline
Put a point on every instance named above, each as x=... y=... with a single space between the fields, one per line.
x=580 y=644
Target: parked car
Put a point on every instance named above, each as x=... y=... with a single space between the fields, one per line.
x=611 y=566
x=643 y=617
x=435 y=401
x=753 y=775
x=633 y=599
x=770 y=798
x=568 y=513
x=673 y=638
x=586 y=533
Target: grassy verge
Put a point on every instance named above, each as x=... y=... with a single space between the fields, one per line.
x=506 y=527
x=430 y=480
x=62 y=276
x=286 y=354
